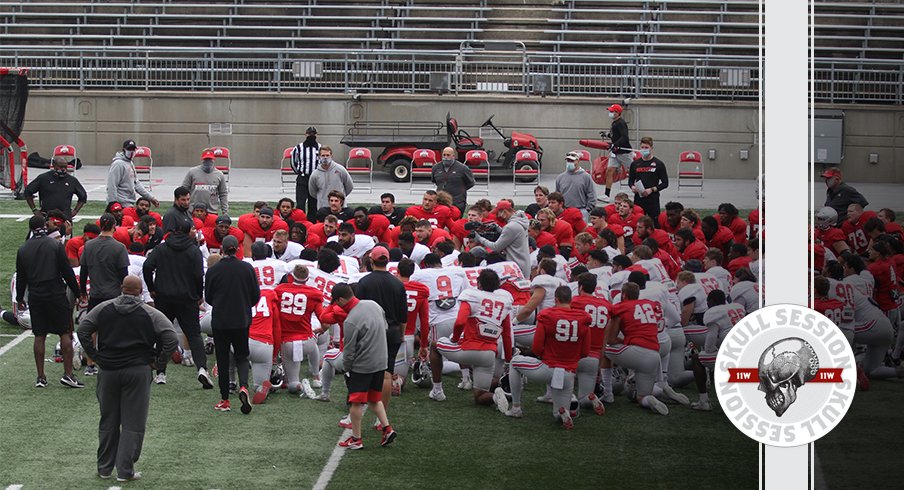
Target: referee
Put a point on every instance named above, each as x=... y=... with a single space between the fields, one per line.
x=304 y=161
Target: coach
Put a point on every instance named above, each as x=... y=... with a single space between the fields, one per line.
x=127 y=330
x=840 y=195
x=56 y=189
x=453 y=177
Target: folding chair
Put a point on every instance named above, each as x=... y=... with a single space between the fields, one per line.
x=690 y=171
x=221 y=156
x=68 y=152
x=286 y=174
x=363 y=167
x=526 y=172
x=143 y=165
x=422 y=166
x=478 y=162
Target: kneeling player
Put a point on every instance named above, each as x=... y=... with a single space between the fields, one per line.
x=719 y=318
x=263 y=339
x=637 y=320
x=297 y=302
x=483 y=318
x=562 y=339
x=599 y=310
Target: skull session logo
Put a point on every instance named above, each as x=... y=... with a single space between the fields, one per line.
x=803 y=381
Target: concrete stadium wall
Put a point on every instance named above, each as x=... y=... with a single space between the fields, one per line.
x=175 y=126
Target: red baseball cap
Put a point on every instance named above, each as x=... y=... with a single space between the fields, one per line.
x=831 y=172
x=503 y=204
x=208 y=154
x=615 y=108
x=379 y=254
x=116 y=207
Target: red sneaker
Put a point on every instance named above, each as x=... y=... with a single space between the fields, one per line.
x=862 y=379
x=352 y=443
x=223 y=406
x=389 y=435
x=565 y=415
x=345 y=422
x=261 y=395
x=598 y=406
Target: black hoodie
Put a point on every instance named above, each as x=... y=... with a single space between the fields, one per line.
x=179 y=269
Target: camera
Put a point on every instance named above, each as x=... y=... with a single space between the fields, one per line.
x=489 y=231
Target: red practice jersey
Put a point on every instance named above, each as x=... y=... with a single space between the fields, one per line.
x=856 y=237
x=265 y=325
x=640 y=320
x=378 y=227
x=214 y=244
x=440 y=216
x=297 y=302
x=573 y=217
x=600 y=312
x=418 y=310
x=562 y=337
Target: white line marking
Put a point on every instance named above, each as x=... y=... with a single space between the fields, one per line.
x=14 y=487
x=115 y=488
x=12 y=343
x=9 y=334
x=331 y=464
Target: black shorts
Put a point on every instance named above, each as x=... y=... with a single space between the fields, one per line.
x=50 y=315
x=393 y=344
x=364 y=388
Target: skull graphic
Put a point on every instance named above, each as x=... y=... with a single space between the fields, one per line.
x=784 y=367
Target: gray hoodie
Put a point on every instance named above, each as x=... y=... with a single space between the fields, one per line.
x=334 y=178
x=578 y=189
x=208 y=188
x=122 y=182
x=512 y=242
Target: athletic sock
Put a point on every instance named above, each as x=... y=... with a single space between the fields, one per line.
x=645 y=401
x=465 y=375
x=606 y=374
x=438 y=386
x=657 y=390
x=608 y=191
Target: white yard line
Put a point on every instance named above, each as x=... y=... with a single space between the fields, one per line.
x=331 y=464
x=14 y=487
x=12 y=343
x=9 y=334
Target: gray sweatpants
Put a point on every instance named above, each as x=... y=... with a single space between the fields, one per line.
x=537 y=371
x=124 y=396
x=261 y=357
x=644 y=362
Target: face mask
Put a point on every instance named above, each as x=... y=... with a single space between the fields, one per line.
x=207 y=166
x=447 y=161
x=645 y=153
x=569 y=166
x=128 y=154
x=324 y=161
x=611 y=115
x=60 y=173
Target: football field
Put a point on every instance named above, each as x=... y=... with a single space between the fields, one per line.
x=48 y=437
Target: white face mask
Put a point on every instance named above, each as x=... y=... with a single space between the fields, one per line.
x=645 y=152
x=611 y=115
x=128 y=154
x=325 y=161
x=569 y=166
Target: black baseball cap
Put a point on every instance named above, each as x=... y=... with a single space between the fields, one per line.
x=311 y=130
x=223 y=220
x=129 y=145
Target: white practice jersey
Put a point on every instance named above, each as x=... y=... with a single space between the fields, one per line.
x=293 y=251
x=490 y=310
x=136 y=264
x=846 y=294
x=451 y=259
x=348 y=265
x=563 y=272
x=671 y=313
x=616 y=281
x=693 y=291
x=865 y=308
x=393 y=268
x=269 y=272
x=418 y=253
x=445 y=286
x=719 y=320
x=863 y=282
x=471 y=273
x=549 y=284
x=506 y=270
x=354 y=278
x=324 y=282
x=359 y=247
x=709 y=282
x=722 y=275
x=746 y=294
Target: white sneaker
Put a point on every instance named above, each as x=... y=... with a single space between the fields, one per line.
x=702 y=405
x=316 y=383
x=204 y=379
x=598 y=406
x=306 y=390
x=465 y=385
x=608 y=398
x=188 y=361
x=437 y=395
x=544 y=399
x=656 y=405
x=160 y=379
x=323 y=397
x=500 y=400
x=565 y=417
x=603 y=198
x=670 y=393
x=514 y=412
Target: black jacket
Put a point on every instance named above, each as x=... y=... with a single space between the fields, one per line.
x=231 y=289
x=397 y=214
x=56 y=192
x=841 y=198
x=42 y=268
x=173 y=216
x=620 y=136
x=456 y=180
x=179 y=269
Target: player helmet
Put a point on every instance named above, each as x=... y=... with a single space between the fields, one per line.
x=420 y=374
x=825 y=218
x=24 y=319
x=277 y=377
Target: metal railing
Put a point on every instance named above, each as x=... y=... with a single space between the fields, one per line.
x=398 y=71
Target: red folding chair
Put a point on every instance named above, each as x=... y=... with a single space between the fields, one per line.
x=68 y=152
x=360 y=163
x=422 y=166
x=286 y=174
x=144 y=163
x=690 y=171
x=526 y=172
x=478 y=162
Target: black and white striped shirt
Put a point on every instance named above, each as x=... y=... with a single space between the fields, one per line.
x=304 y=158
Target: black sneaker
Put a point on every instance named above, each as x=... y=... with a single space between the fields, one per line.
x=71 y=381
x=41 y=382
x=90 y=370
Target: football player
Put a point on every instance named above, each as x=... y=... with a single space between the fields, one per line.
x=484 y=318
x=595 y=363
x=268 y=271
x=418 y=321
x=353 y=245
x=297 y=303
x=284 y=249
x=719 y=318
x=745 y=291
x=261 y=229
x=562 y=340
x=826 y=232
x=263 y=342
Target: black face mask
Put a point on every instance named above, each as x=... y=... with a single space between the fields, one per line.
x=60 y=173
